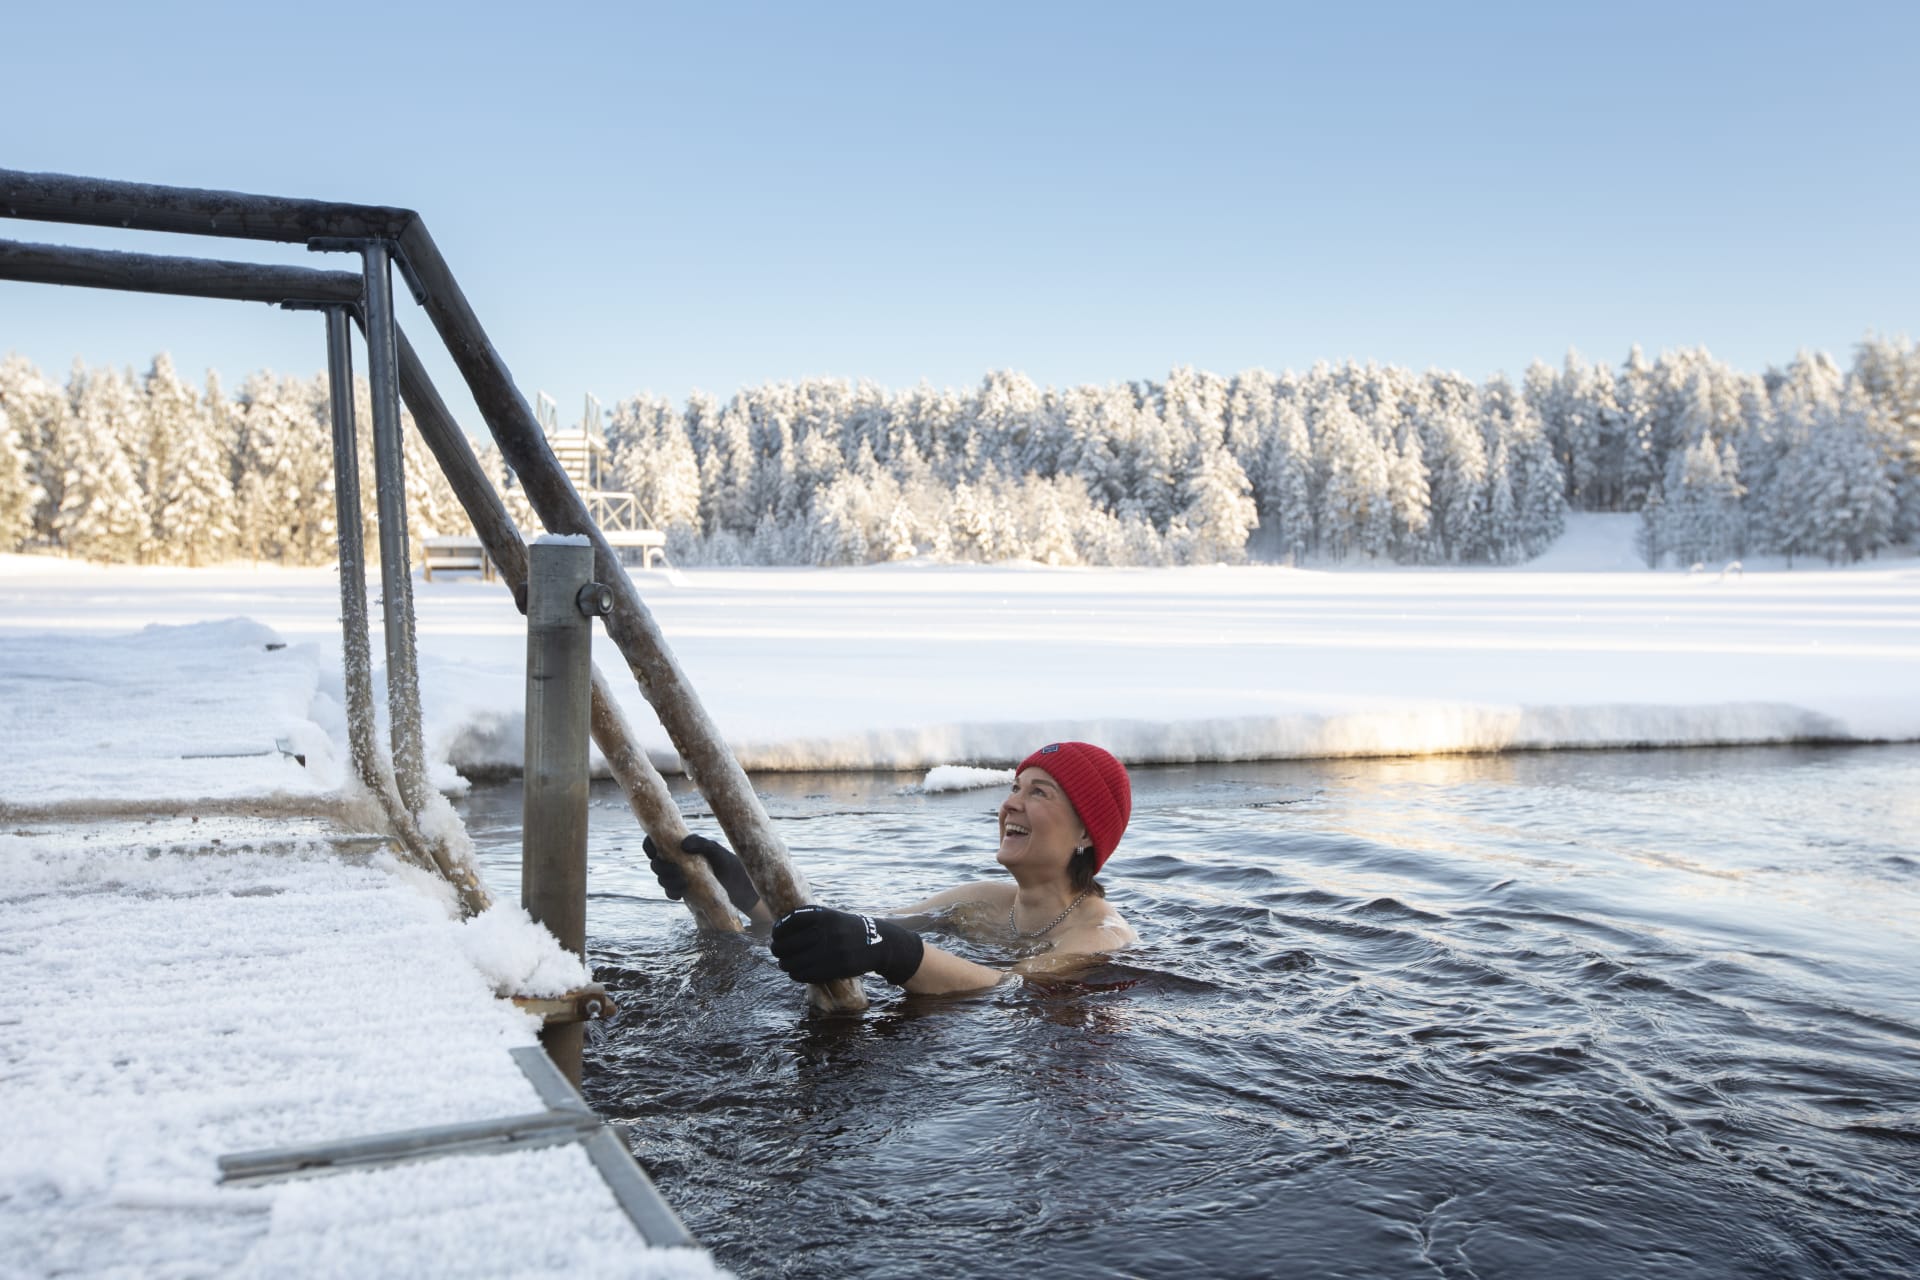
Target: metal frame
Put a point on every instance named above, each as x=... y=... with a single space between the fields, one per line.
x=380 y=233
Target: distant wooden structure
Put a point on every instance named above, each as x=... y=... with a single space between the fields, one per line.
x=455 y=553
x=582 y=454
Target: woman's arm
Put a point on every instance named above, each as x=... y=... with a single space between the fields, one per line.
x=819 y=944
x=943 y=973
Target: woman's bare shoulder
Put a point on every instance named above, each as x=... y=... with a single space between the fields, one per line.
x=991 y=892
x=1101 y=930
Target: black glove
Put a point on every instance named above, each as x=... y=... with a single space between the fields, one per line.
x=819 y=944
x=726 y=864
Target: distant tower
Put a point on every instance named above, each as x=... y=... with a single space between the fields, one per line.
x=583 y=456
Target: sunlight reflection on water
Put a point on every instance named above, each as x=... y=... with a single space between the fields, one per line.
x=1646 y=1013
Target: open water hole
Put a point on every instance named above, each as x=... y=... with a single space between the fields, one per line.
x=1583 y=1014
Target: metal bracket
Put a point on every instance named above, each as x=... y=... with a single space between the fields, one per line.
x=297 y=304
x=595 y=600
x=356 y=244
x=583 y=1004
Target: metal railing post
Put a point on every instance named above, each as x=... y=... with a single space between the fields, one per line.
x=356 y=658
x=390 y=493
x=562 y=600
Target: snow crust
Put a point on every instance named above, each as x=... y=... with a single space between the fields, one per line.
x=518 y=956
x=175 y=1003
x=960 y=777
x=198 y=711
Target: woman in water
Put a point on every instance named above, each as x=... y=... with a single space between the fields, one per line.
x=1058 y=826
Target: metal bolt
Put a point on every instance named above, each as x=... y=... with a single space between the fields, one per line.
x=595 y=600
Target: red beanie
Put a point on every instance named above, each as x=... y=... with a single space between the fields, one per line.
x=1096 y=785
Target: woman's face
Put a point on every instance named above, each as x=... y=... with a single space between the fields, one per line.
x=1038 y=827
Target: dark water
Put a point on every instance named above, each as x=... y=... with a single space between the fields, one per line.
x=1575 y=1014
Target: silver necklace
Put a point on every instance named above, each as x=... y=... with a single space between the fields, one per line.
x=1014 y=929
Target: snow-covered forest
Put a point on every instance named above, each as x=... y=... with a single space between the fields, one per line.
x=1342 y=463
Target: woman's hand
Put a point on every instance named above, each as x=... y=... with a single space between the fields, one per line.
x=726 y=864
x=819 y=944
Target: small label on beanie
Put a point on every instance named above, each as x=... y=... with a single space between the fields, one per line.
x=1048 y=750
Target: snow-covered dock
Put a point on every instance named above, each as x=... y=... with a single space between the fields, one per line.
x=183 y=990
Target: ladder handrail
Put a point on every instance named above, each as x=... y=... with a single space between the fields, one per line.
x=703 y=753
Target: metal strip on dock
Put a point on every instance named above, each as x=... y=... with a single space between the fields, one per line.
x=567 y=1119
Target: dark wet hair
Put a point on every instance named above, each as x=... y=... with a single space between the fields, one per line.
x=1080 y=869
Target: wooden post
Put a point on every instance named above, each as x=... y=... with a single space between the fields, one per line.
x=703 y=752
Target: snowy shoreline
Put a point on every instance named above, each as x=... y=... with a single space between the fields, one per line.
x=127 y=687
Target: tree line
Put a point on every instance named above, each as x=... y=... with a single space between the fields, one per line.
x=1341 y=463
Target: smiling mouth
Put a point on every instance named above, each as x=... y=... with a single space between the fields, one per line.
x=1013 y=829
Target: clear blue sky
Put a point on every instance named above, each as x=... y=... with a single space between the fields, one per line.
x=640 y=197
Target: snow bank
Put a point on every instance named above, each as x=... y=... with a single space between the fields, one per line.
x=960 y=777
x=954 y=665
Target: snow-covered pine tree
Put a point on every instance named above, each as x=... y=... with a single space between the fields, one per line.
x=1525 y=506
x=168 y=408
x=650 y=456
x=1149 y=458
x=1503 y=524
x=772 y=485
x=726 y=472
x=286 y=491
x=194 y=523
x=819 y=462
x=1214 y=497
x=1633 y=391
x=1701 y=518
x=1849 y=494
x=838 y=525
x=1455 y=452
x=101 y=515
x=18 y=494
x=42 y=420
x=1022 y=432
x=1219 y=514
x=900 y=543
x=1283 y=495
x=1051 y=538
x=1410 y=497
x=1887 y=373
x=1355 y=515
